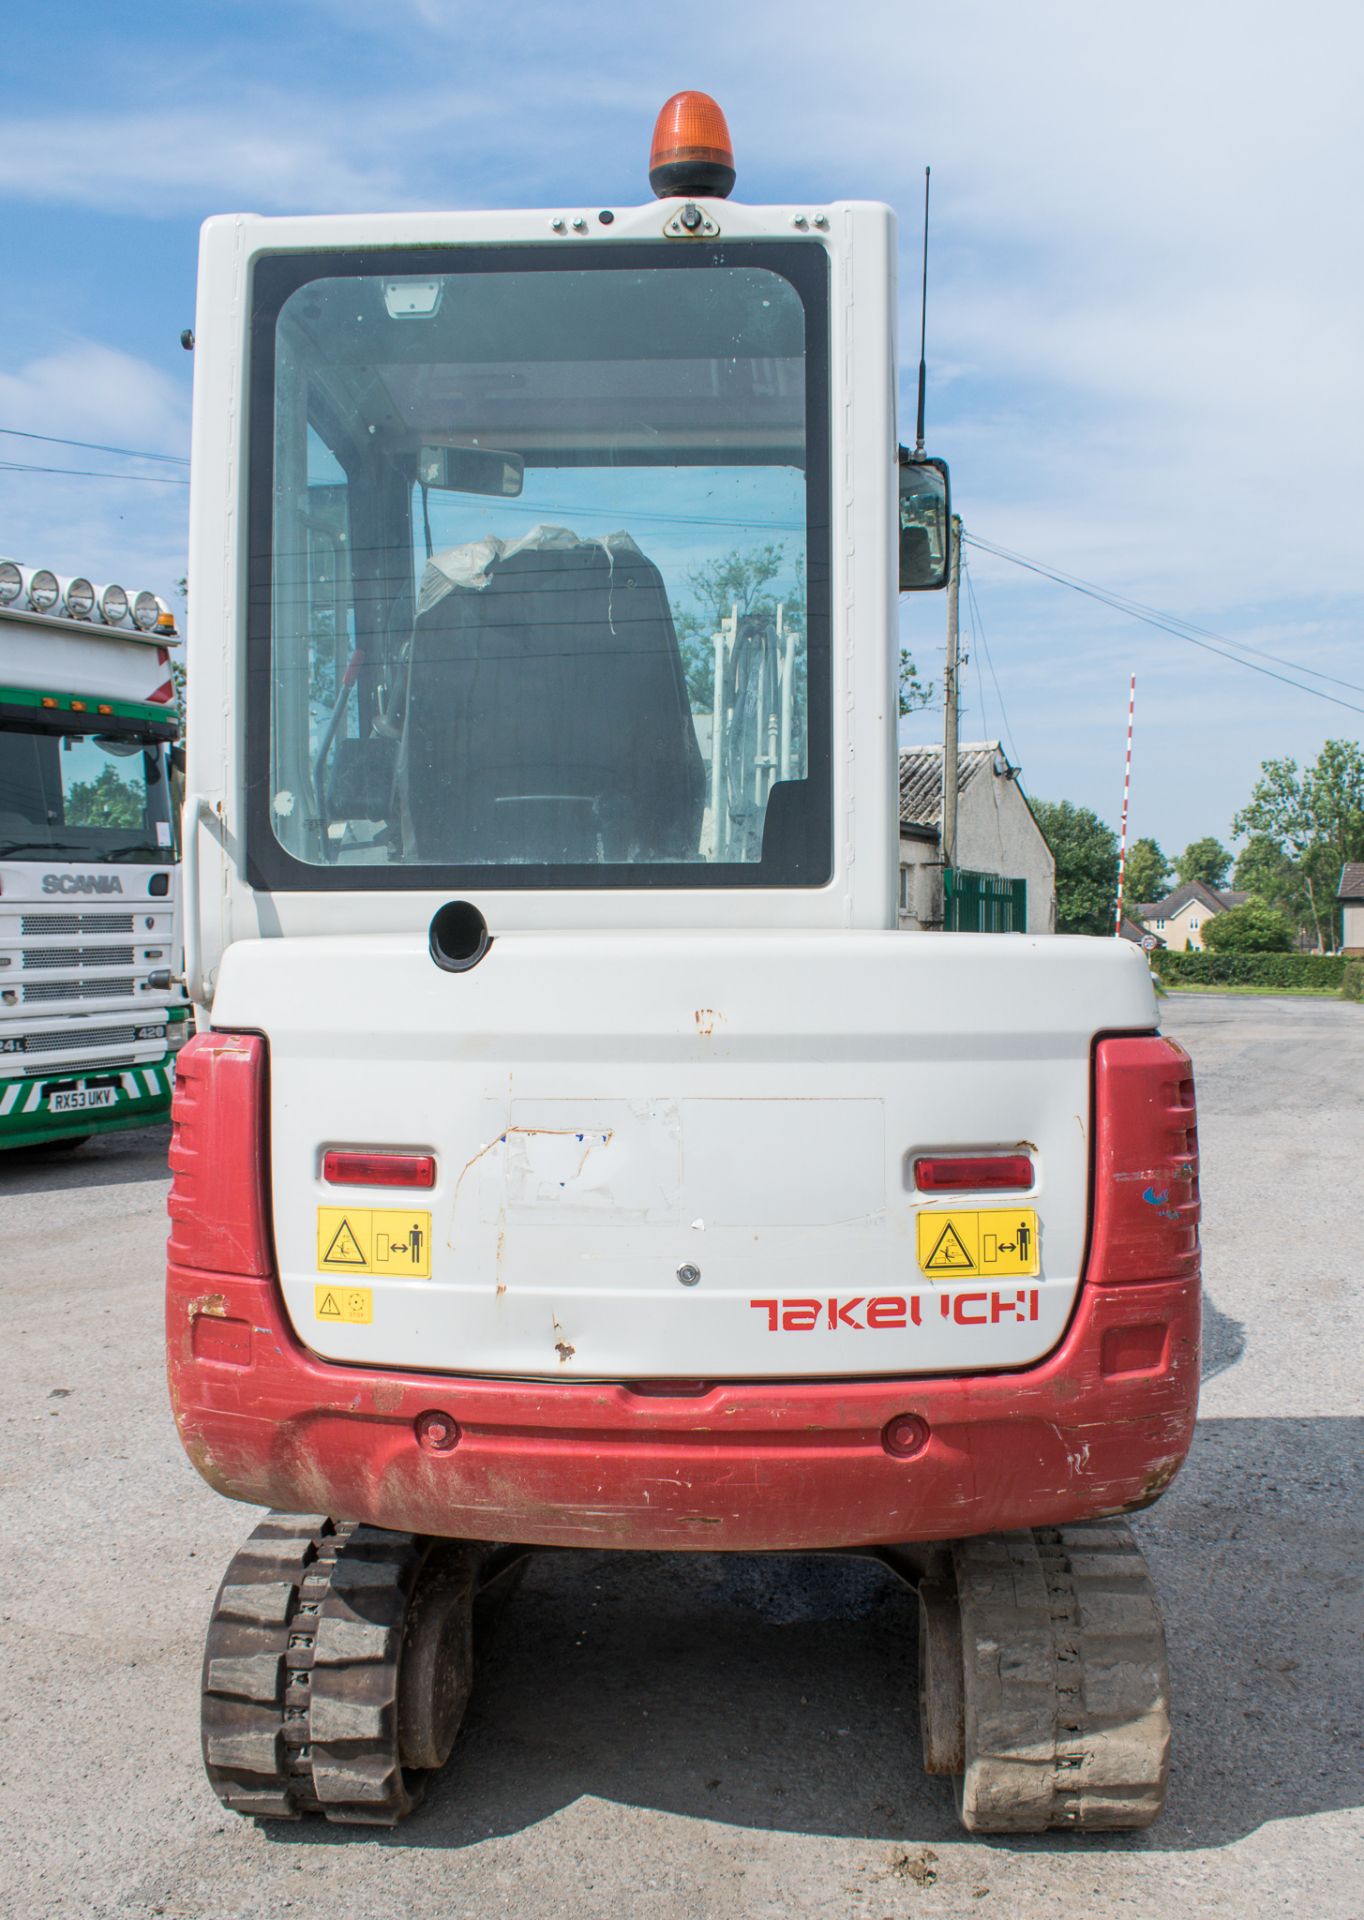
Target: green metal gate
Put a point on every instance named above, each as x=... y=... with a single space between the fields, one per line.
x=983 y=902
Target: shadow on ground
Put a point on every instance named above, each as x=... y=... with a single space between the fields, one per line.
x=780 y=1694
x=105 y=1160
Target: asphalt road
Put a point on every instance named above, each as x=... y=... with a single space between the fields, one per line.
x=678 y=1738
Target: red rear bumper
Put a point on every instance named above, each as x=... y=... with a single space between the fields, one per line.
x=1099 y=1427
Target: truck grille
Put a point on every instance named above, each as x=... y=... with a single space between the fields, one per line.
x=79 y=1039
x=47 y=990
x=77 y=957
x=58 y=923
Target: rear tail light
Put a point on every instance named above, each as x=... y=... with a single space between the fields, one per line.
x=219 y=1199
x=379 y=1169
x=971 y=1173
x=1146 y=1205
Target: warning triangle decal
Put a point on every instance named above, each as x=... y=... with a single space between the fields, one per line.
x=344 y=1250
x=329 y=1308
x=949 y=1255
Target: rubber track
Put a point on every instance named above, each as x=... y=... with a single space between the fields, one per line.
x=300 y=1679
x=1066 y=1682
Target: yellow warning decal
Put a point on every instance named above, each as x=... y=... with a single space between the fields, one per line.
x=1000 y=1243
x=385 y=1240
x=349 y=1306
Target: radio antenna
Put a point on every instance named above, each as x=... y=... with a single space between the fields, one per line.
x=923 y=327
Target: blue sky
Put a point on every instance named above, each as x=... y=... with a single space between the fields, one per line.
x=1144 y=321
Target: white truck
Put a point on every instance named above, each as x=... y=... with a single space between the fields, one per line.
x=573 y=1153
x=92 y=1011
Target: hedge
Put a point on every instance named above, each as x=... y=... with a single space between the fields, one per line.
x=1322 y=970
x=1352 y=986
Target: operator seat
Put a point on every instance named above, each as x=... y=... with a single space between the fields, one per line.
x=547 y=718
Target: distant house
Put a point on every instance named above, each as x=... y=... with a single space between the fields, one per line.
x=1005 y=879
x=1139 y=935
x=1350 y=894
x=1178 y=920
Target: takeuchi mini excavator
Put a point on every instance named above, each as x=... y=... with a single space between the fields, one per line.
x=572 y=1152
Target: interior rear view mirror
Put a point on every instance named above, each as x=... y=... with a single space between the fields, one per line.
x=471 y=470
x=925 y=517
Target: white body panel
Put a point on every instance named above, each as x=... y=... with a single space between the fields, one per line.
x=606 y=1109
x=47 y=655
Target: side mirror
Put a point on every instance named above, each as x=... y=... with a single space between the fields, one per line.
x=925 y=518
x=471 y=470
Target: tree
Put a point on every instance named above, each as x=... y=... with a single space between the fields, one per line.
x=1147 y=876
x=1206 y=860
x=1317 y=817
x=1250 y=928
x=914 y=692
x=1086 y=855
x=749 y=578
x=105 y=801
x=742 y=578
x=177 y=664
x=1273 y=877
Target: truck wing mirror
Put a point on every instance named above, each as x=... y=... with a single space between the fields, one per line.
x=471 y=470
x=925 y=516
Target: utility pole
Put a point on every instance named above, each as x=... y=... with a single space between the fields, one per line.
x=949 y=756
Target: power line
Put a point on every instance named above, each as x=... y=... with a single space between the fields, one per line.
x=94 y=446
x=1181 y=629
x=978 y=626
x=87 y=473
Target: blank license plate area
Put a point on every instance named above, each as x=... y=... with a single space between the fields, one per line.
x=81 y=1099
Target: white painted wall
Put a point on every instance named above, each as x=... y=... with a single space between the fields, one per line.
x=996 y=833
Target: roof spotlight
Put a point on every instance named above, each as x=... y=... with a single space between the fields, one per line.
x=145 y=610
x=80 y=598
x=113 y=604
x=43 y=590
x=11 y=582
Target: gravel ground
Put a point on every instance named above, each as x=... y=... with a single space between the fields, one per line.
x=690 y=1737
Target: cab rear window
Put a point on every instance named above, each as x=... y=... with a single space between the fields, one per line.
x=539 y=552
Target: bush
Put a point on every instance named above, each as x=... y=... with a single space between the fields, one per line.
x=1250 y=928
x=1352 y=981
x=1322 y=970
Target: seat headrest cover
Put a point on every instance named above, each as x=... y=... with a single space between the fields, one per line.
x=471 y=565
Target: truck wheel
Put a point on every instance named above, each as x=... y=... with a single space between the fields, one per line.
x=1043 y=1681
x=337 y=1669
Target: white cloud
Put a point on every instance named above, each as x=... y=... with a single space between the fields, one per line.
x=131 y=530
x=89 y=391
x=264 y=152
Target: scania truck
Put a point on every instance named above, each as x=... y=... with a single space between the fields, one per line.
x=573 y=1153
x=91 y=1009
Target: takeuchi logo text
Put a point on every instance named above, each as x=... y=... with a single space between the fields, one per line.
x=82 y=883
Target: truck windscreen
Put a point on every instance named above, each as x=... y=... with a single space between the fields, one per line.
x=82 y=796
x=539 y=551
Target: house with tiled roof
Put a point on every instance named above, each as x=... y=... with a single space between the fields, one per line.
x=1350 y=896
x=1005 y=878
x=1178 y=920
